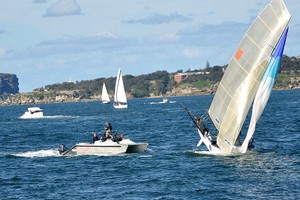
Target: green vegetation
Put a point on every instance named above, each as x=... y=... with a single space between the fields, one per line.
x=202 y=84
x=161 y=82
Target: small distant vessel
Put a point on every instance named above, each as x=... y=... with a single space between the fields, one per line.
x=120 y=100
x=104 y=96
x=247 y=81
x=107 y=147
x=33 y=112
x=165 y=100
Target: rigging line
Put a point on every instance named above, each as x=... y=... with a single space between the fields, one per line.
x=191 y=115
x=69 y=150
x=193 y=118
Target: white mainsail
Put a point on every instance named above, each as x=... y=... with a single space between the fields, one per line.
x=104 y=96
x=120 y=95
x=244 y=73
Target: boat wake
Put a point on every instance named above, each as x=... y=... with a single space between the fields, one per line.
x=49 y=153
x=161 y=102
x=49 y=117
x=39 y=154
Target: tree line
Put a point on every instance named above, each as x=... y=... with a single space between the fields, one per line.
x=158 y=83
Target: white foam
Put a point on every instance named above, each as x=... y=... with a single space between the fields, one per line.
x=40 y=153
x=49 y=117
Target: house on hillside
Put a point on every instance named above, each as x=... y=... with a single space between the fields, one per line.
x=179 y=77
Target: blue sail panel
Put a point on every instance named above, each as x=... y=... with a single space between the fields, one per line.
x=275 y=62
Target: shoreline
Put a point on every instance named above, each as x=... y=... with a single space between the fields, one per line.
x=33 y=101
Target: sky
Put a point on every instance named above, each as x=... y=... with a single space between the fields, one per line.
x=53 y=41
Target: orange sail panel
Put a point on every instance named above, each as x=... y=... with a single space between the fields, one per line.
x=238 y=54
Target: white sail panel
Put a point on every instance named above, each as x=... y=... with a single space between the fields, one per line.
x=265 y=89
x=240 y=82
x=104 y=96
x=120 y=95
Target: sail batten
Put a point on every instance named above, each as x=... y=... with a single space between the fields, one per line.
x=244 y=73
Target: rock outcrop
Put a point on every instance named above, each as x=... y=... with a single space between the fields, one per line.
x=9 y=84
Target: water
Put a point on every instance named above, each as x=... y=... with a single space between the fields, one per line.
x=31 y=167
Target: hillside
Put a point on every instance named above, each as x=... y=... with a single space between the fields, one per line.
x=160 y=83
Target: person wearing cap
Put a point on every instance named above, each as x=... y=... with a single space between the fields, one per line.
x=121 y=137
x=95 y=138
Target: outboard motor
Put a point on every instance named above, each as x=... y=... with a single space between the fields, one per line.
x=62 y=148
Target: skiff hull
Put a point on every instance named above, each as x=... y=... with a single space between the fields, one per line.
x=95 y=149
x=137 y=148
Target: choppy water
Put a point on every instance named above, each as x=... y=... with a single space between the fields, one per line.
x=31 y=167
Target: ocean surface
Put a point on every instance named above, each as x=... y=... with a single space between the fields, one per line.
x=31 y=167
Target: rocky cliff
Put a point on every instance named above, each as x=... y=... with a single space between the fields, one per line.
x=9 y=84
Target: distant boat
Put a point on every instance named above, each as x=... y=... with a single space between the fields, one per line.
x=165 y=100
x=104 y=96
x=33 y=112
x=120 y=100
x=248 y=80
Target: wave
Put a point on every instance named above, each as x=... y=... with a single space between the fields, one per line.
x=39 y=154
x=54 y=153
x=161 y=102
x=49 y=117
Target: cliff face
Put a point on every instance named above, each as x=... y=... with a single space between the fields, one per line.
x=9 y=83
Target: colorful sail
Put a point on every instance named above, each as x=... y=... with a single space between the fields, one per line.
x=244 y=73
x=265 y=88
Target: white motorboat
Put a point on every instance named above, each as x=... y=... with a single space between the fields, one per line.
x=33 y=112
x=165 y=100
x=120 y=99
x=107 y=147
x=98 y=148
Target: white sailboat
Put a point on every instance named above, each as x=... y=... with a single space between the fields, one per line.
x=120 y=100
x=248 y=81
x=104 y=96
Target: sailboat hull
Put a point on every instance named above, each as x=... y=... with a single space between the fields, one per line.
x=120 y=105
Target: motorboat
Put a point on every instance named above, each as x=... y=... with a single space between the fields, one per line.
x=98 y=148
x=107 y=147
x=165 y=100
x=33 y=112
